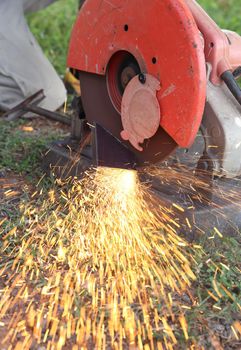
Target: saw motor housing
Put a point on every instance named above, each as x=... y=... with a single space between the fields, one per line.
x=154 y=73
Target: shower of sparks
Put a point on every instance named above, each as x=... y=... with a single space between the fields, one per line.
x=96 y=265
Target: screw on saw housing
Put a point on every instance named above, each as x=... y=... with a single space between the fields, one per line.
x=142 y=78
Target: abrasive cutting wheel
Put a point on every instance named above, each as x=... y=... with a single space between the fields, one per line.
x=142 y=73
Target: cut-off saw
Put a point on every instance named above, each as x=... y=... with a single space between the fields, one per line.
x=156 y=76
x=159 y=85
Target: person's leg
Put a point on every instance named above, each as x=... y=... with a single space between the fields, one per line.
x=24 y=69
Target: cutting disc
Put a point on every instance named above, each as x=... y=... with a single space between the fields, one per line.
x=100 y=109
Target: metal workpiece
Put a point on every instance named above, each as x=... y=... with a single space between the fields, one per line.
x=30 y=105
x=110 y=152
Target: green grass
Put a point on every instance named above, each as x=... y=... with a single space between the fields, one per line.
x=52 y=27
x=220 y=262
x=21 y=151
x=225 y=12
x=21 y=155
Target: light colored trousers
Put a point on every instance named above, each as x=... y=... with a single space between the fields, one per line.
x=24 y=69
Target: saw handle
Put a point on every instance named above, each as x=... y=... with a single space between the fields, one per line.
x=232 y=84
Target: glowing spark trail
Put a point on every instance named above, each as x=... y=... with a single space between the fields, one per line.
x=95 y=267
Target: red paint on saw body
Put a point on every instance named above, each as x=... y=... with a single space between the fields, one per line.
x=164 y=39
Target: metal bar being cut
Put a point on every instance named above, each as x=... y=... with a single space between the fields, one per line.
x=30 y=104
x=108 y=151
